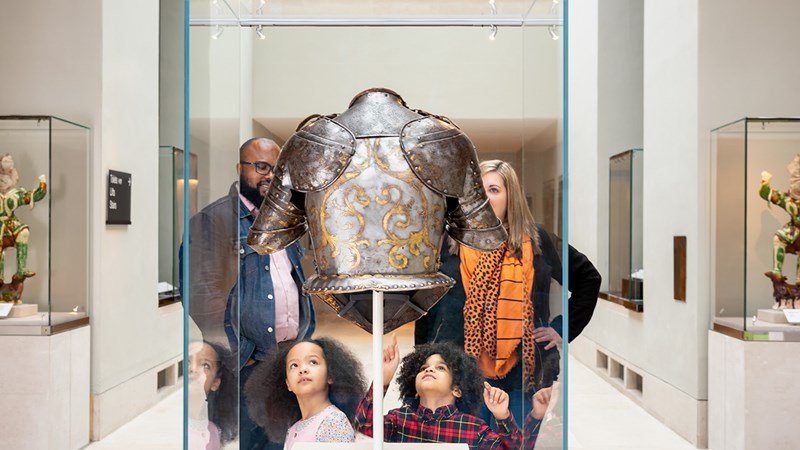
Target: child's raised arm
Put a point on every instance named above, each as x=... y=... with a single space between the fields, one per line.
x=541 y=400
x=363 y=419
x=496 y=401
x=391 y=359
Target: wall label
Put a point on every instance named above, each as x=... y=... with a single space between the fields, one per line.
x=118 y=206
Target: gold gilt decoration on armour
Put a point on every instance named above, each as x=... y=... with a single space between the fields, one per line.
x=400 y=216
x=347 y=216
x=403 y=208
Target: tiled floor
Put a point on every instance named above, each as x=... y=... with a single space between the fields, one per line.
x=600 y=418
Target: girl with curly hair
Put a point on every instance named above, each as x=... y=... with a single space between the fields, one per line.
x=212 y=396
x=315 y=383
x=441 y=388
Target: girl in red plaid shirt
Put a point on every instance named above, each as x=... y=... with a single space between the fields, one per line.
x=441 y=388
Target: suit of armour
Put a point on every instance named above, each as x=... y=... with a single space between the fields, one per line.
x=377 y=187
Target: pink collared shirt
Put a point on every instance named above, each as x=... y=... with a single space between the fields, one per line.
x=285 y=293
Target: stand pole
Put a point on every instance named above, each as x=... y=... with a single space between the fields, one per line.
x=377 y=370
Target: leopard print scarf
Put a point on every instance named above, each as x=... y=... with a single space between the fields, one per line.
x=498 y=313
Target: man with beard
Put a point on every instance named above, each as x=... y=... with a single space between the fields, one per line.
x=259 y=302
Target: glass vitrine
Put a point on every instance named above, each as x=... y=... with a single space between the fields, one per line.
x=45 y=194
x=494 y=69
x=625 y=186
x=755 y=179
x=171 y=183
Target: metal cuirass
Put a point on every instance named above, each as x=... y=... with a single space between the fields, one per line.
x=377 y=186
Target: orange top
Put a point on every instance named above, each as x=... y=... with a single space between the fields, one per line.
x=513 y=298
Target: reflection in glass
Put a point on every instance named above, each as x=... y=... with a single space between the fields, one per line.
x=170 y=212
x=243 y=86
x=212 y=396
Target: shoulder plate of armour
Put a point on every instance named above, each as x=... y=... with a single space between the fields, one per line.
x=317 y=154
x=439 y=153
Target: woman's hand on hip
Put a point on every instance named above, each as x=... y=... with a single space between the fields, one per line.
x=547 y=334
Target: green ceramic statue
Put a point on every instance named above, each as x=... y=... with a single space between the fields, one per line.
x=14 y=232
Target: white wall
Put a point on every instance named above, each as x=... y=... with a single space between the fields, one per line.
x=665 y=342
x=584 y=198
x=51 y=62
x=171 y=79
x=453 y=71
x=130 y=333
x=620 y=93
x=745 y=77
x=666 y=327
x=96 y=63
x=671 y=184
x=689 y=67
x=705 y=64
x=170 y=130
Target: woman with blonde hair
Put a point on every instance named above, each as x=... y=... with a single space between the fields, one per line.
x=499 y=309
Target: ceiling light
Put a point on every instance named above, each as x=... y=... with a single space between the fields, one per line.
x=218 y=30
x=553 y=33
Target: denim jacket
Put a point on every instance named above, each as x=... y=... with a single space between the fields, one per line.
x=250 y=312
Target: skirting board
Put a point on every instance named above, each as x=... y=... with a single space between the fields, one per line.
x=117 y=406
x=682 y=413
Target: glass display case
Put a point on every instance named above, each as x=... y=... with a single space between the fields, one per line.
x=755 y=212
x=45 y=291
x=495 y=69
x=171 y=180
x=625 y=271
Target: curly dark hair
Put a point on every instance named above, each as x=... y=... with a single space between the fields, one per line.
x=275 y=408
x=223 y=404
x=463 y=367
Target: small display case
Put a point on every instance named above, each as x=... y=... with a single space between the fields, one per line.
x=171 y=181
x=54 y=289
x=626 y=273
x=755 y=235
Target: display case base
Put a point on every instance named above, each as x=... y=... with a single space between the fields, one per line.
x=633 y=305
x=45 y=391
x=42 y=324
x=772 y=316
x=752 y=404
x=23 y=310
x=748 y=329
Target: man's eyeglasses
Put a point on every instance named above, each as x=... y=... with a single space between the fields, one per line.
x=262 y=167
